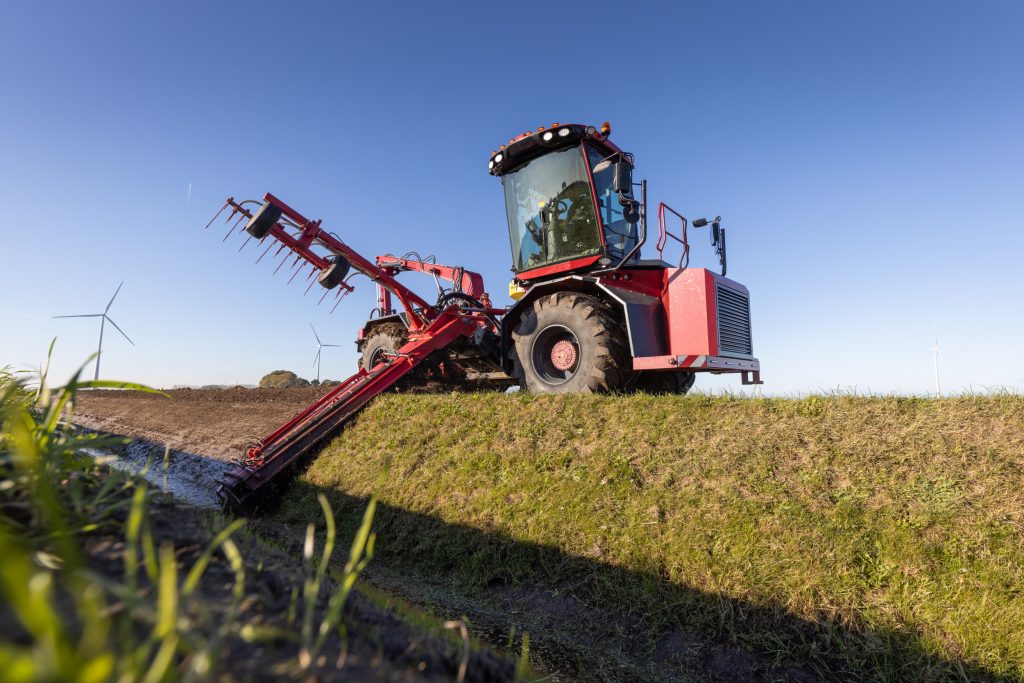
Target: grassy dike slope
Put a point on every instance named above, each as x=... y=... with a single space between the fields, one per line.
x=698 y=537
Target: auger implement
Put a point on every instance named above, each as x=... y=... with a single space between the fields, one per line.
x=588 y=314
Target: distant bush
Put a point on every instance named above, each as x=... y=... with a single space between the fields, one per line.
x=279 y=379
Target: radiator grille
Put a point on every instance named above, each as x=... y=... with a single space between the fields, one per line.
x=733 y=322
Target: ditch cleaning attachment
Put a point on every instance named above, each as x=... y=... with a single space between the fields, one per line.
x=462 y=313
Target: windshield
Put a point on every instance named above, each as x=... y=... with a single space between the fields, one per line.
x=619 y=236
x=551 y=210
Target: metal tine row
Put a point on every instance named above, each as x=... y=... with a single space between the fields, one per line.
x=239 y=214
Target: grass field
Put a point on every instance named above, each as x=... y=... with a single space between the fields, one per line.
x=657 y=538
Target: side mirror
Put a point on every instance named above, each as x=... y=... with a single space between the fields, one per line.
x=623 y=183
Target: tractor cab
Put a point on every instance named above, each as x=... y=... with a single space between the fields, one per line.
x=569 y=200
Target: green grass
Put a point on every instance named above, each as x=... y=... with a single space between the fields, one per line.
x=862 y=538
x=63 y=620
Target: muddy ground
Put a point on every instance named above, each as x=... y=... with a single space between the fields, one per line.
x=212 y=423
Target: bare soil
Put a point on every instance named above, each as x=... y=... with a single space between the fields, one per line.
x=212 y=423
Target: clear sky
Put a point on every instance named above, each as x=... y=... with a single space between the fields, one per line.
x=867 y=158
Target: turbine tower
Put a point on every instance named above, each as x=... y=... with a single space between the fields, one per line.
x=105 y=319
x=319 y=345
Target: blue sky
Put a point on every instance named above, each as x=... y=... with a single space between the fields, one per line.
x=866 y=158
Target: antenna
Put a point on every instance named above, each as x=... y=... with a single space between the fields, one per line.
x=935 y=361
x=105 y=319
x=319 y=345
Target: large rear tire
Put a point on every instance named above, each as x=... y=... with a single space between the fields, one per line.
x=570 y=343
x=386 y=338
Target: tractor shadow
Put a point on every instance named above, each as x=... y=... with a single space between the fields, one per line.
x=572 y=608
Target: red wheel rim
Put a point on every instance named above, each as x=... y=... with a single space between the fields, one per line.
x=563 y=354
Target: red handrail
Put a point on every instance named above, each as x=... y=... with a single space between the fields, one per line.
x=663 y=234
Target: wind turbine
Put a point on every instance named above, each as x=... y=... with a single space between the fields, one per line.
x=319 y=345
x=935 y=360
x=106 y=319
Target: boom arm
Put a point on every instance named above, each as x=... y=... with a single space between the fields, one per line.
x=247 y=483
x=300 y=235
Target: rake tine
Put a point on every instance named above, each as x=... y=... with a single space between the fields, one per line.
x=340 y=297
x=326 y=292
x=216 y=215
x=232 y=228
x=294 y=274
x=279 y=249
x=284 y=261
x=245 y=243
x=269 y=247
x=310 y=287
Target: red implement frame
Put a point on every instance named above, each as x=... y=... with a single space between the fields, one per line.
x=306 y=234
x=465 y=281
x=430 y=330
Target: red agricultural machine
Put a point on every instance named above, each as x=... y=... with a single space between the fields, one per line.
x=588 y=314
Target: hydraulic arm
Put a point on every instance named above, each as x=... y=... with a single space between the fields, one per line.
x=461 y=313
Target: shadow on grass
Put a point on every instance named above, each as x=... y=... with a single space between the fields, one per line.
x=584 y=616
x=603 y=622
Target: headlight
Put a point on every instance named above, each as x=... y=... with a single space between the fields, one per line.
x=565 y=131
x=498 y=158
x=490 y=164
x=547 y=136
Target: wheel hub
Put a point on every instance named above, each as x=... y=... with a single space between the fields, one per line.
x=563 y=354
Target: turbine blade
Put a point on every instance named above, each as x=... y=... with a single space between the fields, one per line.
x=119 y=329
x=85 y=315
x=316 y=357
x=315 y=334
x=113 y=297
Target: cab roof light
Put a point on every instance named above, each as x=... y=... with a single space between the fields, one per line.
x=606 y=129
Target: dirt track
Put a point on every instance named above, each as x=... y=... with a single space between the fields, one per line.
x=214 y=423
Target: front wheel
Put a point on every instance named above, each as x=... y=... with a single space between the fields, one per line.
x=386 y=339
x=570 y=343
